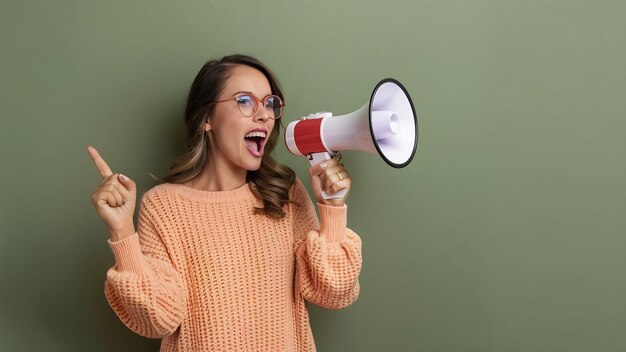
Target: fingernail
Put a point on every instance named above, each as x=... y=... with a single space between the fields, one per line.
x=124 y=178
x=324 y=165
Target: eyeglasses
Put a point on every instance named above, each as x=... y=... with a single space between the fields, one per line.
x=249 y=104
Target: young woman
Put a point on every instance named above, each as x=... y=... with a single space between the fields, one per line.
x=228 y=246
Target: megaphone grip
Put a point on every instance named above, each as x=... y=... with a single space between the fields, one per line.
x=338 y=194
x=316 y=158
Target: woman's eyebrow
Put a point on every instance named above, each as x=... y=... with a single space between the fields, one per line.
x=248 y=92
x=243 y=91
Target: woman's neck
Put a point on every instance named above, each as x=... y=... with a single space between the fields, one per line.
x=219 y=175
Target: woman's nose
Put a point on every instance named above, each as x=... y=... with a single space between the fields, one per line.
x=262 y=114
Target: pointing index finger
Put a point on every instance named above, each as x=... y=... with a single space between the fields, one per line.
x=102 y=166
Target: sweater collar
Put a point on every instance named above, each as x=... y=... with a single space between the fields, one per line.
x=240 y=193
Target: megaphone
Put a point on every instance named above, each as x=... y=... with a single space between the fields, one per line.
x=386 y=125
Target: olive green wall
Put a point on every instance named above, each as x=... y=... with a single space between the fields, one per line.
x=506 y=233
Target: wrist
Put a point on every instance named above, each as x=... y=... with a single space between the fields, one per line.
x=333 y=221
x=333 y=202
x=122 y=233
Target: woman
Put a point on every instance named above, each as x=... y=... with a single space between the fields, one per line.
x=228 y=247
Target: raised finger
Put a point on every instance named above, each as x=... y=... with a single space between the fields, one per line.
x=102 y=166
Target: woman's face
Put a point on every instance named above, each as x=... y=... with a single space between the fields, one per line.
x=230 y=131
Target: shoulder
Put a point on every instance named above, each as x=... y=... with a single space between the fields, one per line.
x=159 y=190
x=158 y=195
x=298 y=194
x=297 y=189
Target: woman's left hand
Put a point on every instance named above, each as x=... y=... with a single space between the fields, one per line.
x=330 y=176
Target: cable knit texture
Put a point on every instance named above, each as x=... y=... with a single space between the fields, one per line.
x=204 y=273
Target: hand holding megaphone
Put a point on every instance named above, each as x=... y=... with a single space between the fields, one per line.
x=330 y=182
x=386 y=125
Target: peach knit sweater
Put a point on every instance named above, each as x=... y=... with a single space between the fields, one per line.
x=204 y=273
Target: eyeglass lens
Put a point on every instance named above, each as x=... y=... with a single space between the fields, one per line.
x=248 y=105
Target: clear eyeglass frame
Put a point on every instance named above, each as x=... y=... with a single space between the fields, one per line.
x=256 y=102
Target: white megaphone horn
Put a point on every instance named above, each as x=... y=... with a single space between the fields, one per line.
x=386 y=125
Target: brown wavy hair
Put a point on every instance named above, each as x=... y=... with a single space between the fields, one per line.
x=272 y=181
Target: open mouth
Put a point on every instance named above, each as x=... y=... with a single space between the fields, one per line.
x=255 y=142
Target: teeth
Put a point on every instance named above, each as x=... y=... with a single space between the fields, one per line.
x=256 y=134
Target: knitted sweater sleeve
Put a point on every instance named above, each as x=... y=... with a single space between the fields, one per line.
x=143 y=288
x=328 y=256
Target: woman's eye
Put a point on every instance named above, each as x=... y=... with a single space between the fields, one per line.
x=271 y=103
x=244 y=100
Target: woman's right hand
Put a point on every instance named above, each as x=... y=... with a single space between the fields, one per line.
x=114 y=199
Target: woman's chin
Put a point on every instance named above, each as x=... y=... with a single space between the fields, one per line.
x=253 y=166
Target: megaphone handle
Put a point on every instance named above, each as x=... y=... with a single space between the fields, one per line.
x=316 y=158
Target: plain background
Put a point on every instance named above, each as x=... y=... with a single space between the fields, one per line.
x=506 y=233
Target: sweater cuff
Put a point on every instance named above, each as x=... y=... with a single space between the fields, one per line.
x=128 y=255
x=333 y=221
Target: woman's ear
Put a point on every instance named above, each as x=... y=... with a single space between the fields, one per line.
x=207 y=125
